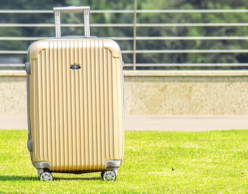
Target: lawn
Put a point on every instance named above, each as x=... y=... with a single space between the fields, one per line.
x=155 y=162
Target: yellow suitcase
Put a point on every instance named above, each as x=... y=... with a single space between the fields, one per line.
x=75 y=103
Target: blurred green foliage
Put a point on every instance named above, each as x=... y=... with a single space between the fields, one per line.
x=141 y=31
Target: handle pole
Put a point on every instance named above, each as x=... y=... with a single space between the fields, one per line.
x=57 y=24
x=87 y=23
x=85 y=10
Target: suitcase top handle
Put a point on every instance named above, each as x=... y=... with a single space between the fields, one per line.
x=72 y=9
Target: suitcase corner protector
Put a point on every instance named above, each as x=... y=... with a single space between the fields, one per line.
x=42 y=165
x=113 y=47
x=112 y=164
x=37 y=47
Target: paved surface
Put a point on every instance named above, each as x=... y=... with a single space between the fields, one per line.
x=159 y=123
x=8 y=122
x=186 y=123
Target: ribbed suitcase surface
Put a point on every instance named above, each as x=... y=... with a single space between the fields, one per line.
x=76 y=116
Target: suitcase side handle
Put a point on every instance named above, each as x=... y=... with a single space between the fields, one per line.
x=72 y=9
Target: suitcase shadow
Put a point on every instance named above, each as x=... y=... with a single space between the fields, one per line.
x=17 y=178
x=35 y=178
x=81 y=178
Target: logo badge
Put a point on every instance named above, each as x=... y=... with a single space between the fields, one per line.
x=75 y=67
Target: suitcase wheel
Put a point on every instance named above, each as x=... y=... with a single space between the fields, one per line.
x=46 y=176
x=109 y=176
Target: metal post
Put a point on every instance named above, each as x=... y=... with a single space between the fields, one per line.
x=134 y=36
x=57 y=24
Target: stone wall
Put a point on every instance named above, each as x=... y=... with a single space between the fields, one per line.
x=156 y=93
x=13 y=98
x=186 y=93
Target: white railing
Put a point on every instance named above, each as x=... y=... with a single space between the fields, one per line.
x=134 y=38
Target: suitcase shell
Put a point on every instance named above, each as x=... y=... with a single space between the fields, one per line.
x=75 y=116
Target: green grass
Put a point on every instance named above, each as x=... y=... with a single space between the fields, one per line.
x=204 y=162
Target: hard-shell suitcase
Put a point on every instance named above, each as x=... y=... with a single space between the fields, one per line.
x=75 y=103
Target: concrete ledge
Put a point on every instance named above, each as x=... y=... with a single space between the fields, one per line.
x=186 y=73
x=20 y=73
x=154 y=73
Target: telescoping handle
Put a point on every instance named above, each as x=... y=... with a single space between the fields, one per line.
x=72 y=9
